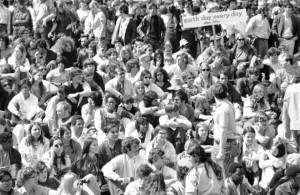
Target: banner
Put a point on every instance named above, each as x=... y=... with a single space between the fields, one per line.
x=208 y=19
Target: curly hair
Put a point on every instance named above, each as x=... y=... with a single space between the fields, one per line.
x=127 y=143
x=24 y=175
x=110 y=126
x=163 y=72
x=61 y=43
x=148 y=98
x=154 y=154
x=141 y=121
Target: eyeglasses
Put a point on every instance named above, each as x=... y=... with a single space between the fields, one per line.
x=58 y=145
x=205 y=70
x=191 y=78
x=6 y=180
x=42 y=69
x=240 y=39
x=147 y=77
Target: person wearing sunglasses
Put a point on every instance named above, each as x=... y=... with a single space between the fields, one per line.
x=57 y=161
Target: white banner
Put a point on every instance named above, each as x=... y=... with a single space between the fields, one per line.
x=208 y=19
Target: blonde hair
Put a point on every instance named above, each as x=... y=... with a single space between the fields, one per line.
x=67 y=182
x=138 y=84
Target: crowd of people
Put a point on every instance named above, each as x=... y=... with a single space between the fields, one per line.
x=118 y=98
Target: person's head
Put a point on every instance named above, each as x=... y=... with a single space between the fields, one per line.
x=258 y=91
x=182 y=58
x=125 y=53
x=145 y=59
x=42 y=171
x=62 y=92
x=90 y=64
x=273 y=53
x=205 y=69
x=189 y=77
x=88 y=75
x=180 y=97
x=41 y=45
x=288 y=8
x=124 y=9
x=143 y=172
x=261 y=119
x=158 y=58
x=252 y=73
x=112 y=131
x=90 y=145
x=212 y=41
x=223 y=77
x=63 y=110
x=160 y=75
x=131 y=146
x=202 y=130
x=27 y=176
x=5 y=181
x=77 y=123
x=160 y=133
x=172 y=110
x=150 y=99
x=25 y=86
x=132 y=66
x=157 y=157
x=111 y=102
x=145 y=77
x=61 y=63
x=6 y=140
x=198 y=154
x=287 y=61
x=236 y=172
x=184 y=45
x=142 y=125
x=96 y=99
x=68 y=183
x=128 y=102
x=169 y=60
x=5 y=84
x=152 y=8
x=120 y=74
x=35 y=132
x=112 y=54
x=76 y=75
x=94 y=7
x=57 y=145
x=220 y=91
x=249 y=136
x=240 y=40
x=65 y=132
x=157 y=182
x=278 y=150
x=283 y=49
x=101 y=49
x=92 y=49
x=139 y=88
x=293 y=173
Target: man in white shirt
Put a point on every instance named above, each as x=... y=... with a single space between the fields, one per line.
x=123 y=169
x=259 y=28
x=78 y=130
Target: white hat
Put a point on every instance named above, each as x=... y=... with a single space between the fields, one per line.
x=183 y=42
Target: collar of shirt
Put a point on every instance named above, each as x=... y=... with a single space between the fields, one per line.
x=23 y=191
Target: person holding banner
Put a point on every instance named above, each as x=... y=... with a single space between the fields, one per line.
x=259 y=29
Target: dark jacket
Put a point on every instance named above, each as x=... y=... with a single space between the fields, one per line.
x=50 y=55
x=278 y=25
x=144 y=27
x=131 y=32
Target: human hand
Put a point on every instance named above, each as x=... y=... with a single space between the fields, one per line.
x=73 y=100
x=73 y=95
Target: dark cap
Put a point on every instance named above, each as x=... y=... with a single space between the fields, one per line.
x=5 y=136
x=293 y=170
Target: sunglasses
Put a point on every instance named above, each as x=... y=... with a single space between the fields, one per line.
x=191 y=78
x=42 y=69
x=205 y=70
x=58 y=145
x=240 y=39
x=147 y=77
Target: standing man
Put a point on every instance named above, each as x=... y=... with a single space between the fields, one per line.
x=286 y=27
x=291 y=112
x=4 y=19
x=223 y=152
x=259 y=28
x=152 y=28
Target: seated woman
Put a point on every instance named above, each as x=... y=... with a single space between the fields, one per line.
x=157 y=185
x=265 y=133
x=139 y=91
x=18 y=59
x=79 y=91
x=90 y=162
x=133 y=71
x=271 y=161
x=71 y=147
x=257 y=102
x=56 y=160
x=161 y=79
x=59 y=75
x=34 y=145
x=160 y=141
x=44 y=178
x=204 y=138
x=141 y=129
x=251 y=154
x=128 y=112
x=205 y=78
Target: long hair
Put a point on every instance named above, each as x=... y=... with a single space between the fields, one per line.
x=62 y=130
x=30 y=138
x=198 y=153
x=41 y=85
x=62 y=156
x=60 y=46
x=158 y=178
x=86 y=145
